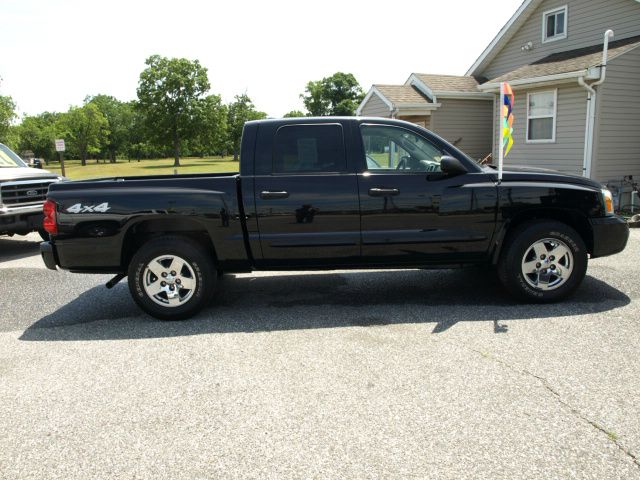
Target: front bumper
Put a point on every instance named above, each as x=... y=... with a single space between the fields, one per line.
x=20 y=219
x=610 y=235
x=48 y=252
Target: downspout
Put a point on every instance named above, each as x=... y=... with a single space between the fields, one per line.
x=591 y=107
x=588 y=132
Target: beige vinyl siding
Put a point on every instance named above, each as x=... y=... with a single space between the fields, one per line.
x=375 y=107
x=618 y=123
x=467 y=120
x=421 y=120
x=587 y=21
x=566 y=154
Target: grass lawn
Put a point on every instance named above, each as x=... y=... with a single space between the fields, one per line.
x=158 y=166
x=381 y=158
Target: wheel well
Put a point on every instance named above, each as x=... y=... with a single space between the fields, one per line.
x=142 y=232
x=575 y=220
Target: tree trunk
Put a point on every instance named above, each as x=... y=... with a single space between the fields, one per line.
x=83 y=158
x=112 y=157
x=176 y=147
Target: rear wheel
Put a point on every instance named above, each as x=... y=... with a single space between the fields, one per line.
x=172 y=278
x=544 y=261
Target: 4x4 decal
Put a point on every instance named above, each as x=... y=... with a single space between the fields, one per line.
x=79 y=208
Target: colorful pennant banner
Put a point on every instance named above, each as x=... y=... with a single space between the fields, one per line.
x=507 y=118
x=505 y=124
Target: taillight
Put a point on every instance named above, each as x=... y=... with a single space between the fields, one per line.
x=50 y=222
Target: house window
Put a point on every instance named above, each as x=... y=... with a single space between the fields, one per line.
x=554 y=24
x=541 y=116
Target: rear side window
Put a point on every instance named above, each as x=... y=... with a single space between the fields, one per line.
x=309 y=148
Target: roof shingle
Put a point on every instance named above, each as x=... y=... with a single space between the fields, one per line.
x=569 y=61
x=401 y=94
x=449 y=83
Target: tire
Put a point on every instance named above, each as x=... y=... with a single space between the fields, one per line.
x=172 y=261
x=528 y=268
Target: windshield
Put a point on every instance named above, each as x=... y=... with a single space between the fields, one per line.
x=8 y=159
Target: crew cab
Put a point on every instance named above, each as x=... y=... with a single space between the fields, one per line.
x=328 y=193
x=22 y=194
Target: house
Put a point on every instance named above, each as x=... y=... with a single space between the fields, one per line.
x=573 y=113
x=452 y=106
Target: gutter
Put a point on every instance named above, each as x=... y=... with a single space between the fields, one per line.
x=426 y=105
x=591 y=107
x=495 y=87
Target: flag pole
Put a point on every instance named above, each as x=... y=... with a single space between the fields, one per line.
x=501 y=128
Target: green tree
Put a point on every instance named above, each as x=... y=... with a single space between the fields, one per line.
x=38 y=133
x=169 y=93
x=241 y=111
x=140 y=144
x=119 y=116
x=294 y=114
x=339 y=94
x=85 y=130
x=211 y=126
x=7 y=115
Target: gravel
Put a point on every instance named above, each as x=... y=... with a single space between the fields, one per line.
x=344 y=374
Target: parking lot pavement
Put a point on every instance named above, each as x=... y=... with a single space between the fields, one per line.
x=20 y=252
x=320 y=374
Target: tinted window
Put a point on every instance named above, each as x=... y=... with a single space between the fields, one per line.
x=398 y=149
x=309 y=148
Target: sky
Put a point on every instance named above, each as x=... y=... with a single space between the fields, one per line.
x=53 y=53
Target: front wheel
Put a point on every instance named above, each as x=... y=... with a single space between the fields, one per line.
x=172 y=278
x=544 y=261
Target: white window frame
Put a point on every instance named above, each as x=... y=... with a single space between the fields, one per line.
x=554 y=11
x=555 y=116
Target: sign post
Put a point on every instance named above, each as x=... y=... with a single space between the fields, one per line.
x=60 y=148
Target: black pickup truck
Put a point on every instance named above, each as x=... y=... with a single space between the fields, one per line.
x=326 y=193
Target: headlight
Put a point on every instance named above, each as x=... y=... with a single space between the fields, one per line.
x=608 y=201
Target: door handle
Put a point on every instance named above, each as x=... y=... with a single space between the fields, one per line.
x=269 y=195
x=383 y=192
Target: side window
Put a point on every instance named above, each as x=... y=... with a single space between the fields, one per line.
x=390 y=148
x=541 y=116
x=554 y=24
x=309 y=148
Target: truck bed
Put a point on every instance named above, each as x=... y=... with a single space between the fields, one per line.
x=115 y=209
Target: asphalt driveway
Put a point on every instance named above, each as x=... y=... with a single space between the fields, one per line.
x=324 y=375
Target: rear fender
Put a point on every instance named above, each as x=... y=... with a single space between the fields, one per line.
x=96 y=227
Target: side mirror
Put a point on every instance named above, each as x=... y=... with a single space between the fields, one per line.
x=452 y=166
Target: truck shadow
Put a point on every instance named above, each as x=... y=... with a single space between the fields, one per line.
x=15 y=248
x=324 y=300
